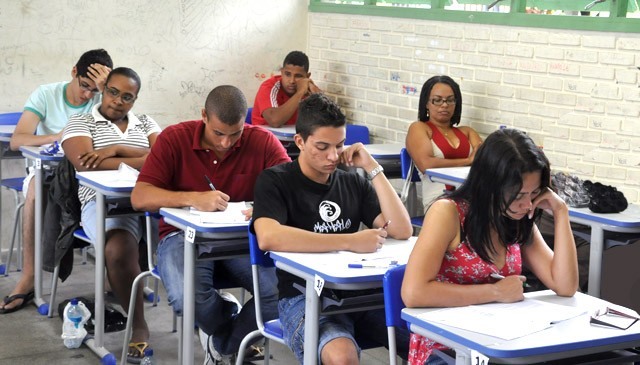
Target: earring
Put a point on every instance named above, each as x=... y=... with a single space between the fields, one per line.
x=427 y=113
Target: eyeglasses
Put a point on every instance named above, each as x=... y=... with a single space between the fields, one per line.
x=114 y=93
x=613 y=318
x=440 y=101
x=85 y=87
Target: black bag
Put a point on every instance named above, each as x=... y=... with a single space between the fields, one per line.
x=114 y=321
x=605 y=198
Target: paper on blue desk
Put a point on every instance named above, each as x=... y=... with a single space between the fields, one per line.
x=504 y=320
x=232 y=215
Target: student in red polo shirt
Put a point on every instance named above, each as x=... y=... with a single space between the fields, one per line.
x=231 y=154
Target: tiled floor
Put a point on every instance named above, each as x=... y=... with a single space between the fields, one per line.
x=28 y=338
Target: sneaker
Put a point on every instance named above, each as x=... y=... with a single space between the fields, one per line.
x=228 y=297
x=211 y=356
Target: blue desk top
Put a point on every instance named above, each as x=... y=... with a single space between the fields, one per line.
x=33 y=153
x=181 y=218
x=575 y=334
x=333 y=267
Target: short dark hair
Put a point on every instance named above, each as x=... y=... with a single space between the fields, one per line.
x=426 y=91
x=316 y=111
x=227 y=103
x=494 y=181
x=297 y=58
x=127 y=72
x=90 y=57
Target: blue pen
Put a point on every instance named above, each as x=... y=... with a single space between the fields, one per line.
x=365 y=266
x=210 y=183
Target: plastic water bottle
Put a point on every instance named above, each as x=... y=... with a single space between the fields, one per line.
x=148 y=358
x=73 y=331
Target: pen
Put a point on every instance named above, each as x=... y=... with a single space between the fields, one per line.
x=500 y=277
x=386 y=225
x=365 y=266
x=210 y=183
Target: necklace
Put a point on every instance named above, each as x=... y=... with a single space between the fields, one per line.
x=446 y=133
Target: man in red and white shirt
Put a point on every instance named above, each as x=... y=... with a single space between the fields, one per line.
x=276 y=103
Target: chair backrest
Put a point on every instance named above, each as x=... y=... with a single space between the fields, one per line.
x=405 y=162
x=257 y=256
x=9 y=118
x=247 y=119
x=393 y=304
x=357 y=133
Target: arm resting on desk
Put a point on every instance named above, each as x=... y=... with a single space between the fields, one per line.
x=79 y=150
x=24 y=134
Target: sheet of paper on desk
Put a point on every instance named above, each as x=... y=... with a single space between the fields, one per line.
x=233 y=214
x=504 y=320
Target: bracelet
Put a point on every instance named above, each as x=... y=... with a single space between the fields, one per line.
x=378 y=169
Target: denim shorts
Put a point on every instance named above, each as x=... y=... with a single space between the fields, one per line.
x=292 y=317
x=131 y=224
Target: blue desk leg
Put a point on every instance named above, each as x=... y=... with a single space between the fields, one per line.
x=312 y=310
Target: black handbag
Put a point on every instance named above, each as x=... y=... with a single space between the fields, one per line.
x=605 y=198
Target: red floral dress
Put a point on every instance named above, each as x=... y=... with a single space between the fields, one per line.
x=463 y=266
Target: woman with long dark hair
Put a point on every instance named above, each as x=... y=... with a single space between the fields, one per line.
x=485 y=230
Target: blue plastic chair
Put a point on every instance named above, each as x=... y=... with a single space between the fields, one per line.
x=10 y=118
x=247 y=119
x=357 y=133
x=15 y=186
x=271 y=330
x=393 y=305
x=405 y=163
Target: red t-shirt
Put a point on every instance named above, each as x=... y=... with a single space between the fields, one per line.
x=177 y=162
x=270 y=95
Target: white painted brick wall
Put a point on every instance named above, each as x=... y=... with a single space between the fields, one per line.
x=574 y=92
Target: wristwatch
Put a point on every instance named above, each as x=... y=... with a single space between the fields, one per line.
x=378 y=169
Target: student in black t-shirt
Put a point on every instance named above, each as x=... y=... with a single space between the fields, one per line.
x=310 y=206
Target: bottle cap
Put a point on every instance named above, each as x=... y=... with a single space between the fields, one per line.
x=74 y=301
x=148 y=352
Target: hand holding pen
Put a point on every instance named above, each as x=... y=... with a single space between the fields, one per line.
x=212 y=201
x=509 y=289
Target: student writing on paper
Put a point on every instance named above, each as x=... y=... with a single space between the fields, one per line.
x=436 y=140
x=310 y=205
x=100 y=140
x=486 y=228
x=45 y=114
x=231 y=154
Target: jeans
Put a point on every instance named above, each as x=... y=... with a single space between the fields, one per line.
x=214 y=315
x=366 y=325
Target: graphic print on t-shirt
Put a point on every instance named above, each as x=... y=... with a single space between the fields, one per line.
x=330 y=213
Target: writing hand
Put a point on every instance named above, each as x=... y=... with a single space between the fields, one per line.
x=510 y=289
x=368 y=240
x=211 y=201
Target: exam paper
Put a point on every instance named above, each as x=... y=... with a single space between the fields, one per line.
x=504 y=320
x=232 y=215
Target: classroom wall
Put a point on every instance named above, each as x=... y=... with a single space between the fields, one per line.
x=180 y=48
x=576 y=93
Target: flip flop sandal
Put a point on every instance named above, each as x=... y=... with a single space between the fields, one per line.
x=136 y=352
x=26 y=299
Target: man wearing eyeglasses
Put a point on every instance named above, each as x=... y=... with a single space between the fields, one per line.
x=45 y=114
